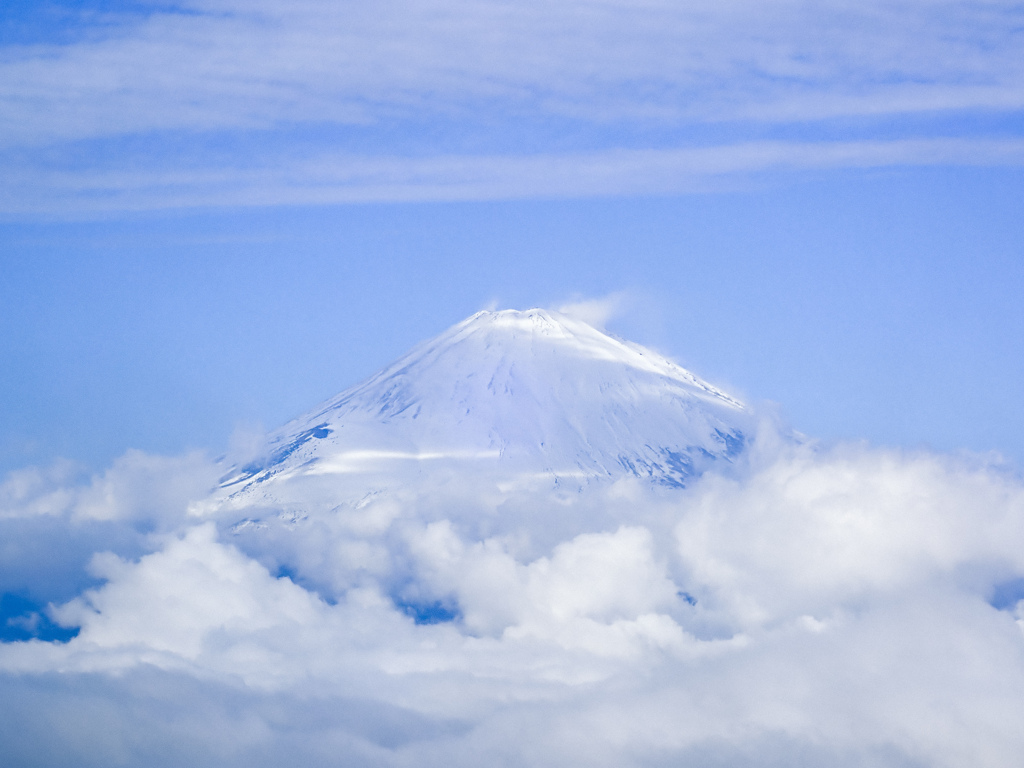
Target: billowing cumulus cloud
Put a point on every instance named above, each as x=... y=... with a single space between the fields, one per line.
x=845 y=606
x=812 y=532
x=54 y=519
x=137 y=487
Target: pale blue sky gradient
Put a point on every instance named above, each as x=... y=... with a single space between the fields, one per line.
x=884 y=307
x=215 y=214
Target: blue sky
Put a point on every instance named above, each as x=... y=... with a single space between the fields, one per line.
x=216 y=214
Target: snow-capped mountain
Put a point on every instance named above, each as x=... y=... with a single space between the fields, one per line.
x=513 y=394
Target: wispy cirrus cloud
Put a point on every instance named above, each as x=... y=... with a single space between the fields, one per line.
x=211 y=65
x=334 y=178
x=250 y=92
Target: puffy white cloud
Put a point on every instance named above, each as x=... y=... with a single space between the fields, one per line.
x=172 y=600
x=34 y=491
x=599 y=591
x=53 y=519
x=137 y=487
x=141 y=486
x=817 y=530
x=816 y=606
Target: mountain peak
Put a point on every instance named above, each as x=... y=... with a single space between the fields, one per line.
x=531 y=392
x=490 y=338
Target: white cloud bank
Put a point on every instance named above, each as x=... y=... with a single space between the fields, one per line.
x=844 y=607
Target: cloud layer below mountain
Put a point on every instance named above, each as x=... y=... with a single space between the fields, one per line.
x=817 y=605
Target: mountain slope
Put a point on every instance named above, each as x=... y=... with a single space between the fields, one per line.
x=513 y=394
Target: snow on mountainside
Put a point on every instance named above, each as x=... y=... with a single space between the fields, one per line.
x=510 y=394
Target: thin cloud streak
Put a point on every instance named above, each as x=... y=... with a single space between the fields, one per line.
x=332 y=179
